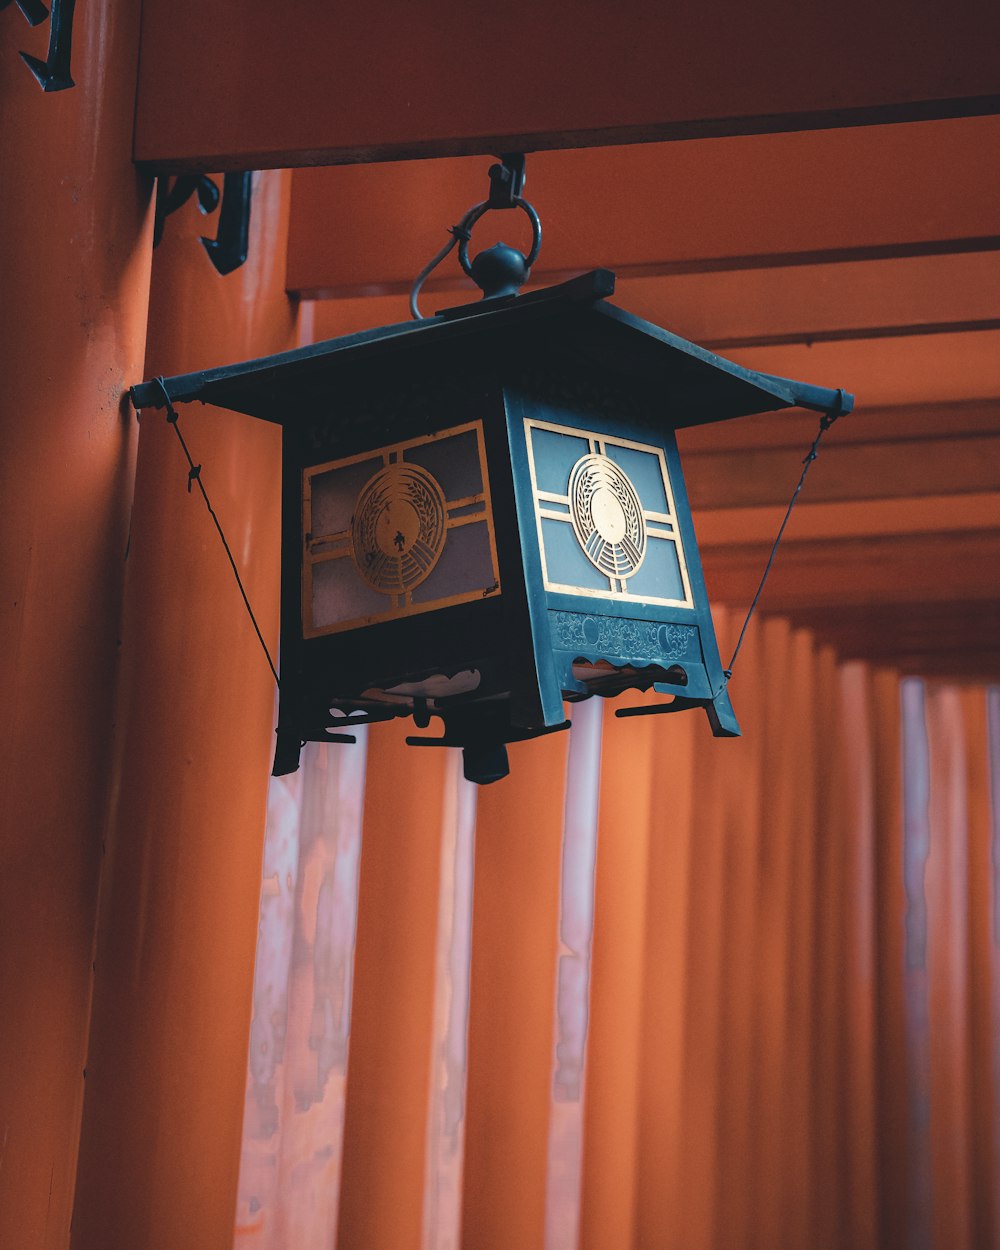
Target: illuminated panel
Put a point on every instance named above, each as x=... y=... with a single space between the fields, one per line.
x=607 y=527
x=404 y=529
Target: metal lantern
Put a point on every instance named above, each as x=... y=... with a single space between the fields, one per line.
x=484 y=516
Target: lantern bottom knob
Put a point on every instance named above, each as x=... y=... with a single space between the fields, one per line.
x=485 y=762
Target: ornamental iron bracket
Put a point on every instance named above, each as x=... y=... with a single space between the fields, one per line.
x=52 y=74
x=231 y=245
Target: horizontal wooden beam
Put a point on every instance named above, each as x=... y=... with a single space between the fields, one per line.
x=264 y=85
x=910 y=568
x=723 y=204
x=818 y=521
x=881 y=372
x=910 y=580
x=872 y=425
x=956 y=639
x=873 y=471
x=901 y=298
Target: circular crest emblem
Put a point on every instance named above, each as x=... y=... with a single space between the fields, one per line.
x=398 y=528
x=607 y=516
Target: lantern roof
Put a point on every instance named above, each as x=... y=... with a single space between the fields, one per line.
x=572 y=318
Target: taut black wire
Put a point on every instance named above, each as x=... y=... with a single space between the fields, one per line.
x=194 y=475
x=825 y=421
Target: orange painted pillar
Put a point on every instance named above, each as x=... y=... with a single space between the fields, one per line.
x=982 y=721
x=448 y=1077
x=673 y=845
x=386 y=1115
x=852 y=948
x=74 y=274
x=614 y=1044
x=893 y=1058
x=293 y=1124
x=514 y=947
x=948 y=966
x=179 y=903
x=572 y=978
x=735 y=768
x=909 y=1207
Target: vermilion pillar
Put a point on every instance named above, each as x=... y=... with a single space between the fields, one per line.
x=172 y=1003
x=515 y=945
x=74 y=277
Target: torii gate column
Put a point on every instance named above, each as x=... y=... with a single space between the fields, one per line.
x=75 y=226
x=160 y=1149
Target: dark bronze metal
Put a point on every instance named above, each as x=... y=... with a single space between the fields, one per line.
x=172 y=195
x=53 y=74
x=495 y=667
x=507 y=180
x=501 y=271
x=34 y=11
x=474 y=214
x=230 y=247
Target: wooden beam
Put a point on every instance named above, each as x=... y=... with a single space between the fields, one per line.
x=917 y=569
x=905 y=579
x=894 y=424
x=317 y=84
x=734 y=203
x=895 y=298
x=874 y=471
x=956 y=639
x=912 y=369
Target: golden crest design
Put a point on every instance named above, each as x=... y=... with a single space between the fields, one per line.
x=398 y=530
x=607 y=523
x=399 y=527
x=607 y=516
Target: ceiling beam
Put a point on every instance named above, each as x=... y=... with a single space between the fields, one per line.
x=312 y=84
x=730 y=204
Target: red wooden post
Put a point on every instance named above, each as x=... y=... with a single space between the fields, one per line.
x=75 y=232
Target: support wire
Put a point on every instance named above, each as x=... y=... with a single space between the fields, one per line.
x=194 y=476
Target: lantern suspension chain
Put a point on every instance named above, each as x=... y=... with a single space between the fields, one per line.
x=501 y=270
x=825 y=421
x=194 y=476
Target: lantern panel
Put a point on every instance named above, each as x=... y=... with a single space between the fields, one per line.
x=468 y=559
x=335 y=594
x=331 y=494
x=605 y=513
x=407 y=528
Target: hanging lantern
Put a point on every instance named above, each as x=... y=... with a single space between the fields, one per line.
x=484 y=515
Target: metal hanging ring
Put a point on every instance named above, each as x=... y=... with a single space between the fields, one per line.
x=473 y=215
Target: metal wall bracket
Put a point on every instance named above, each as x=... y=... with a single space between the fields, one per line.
x=52 y=74
x=507 y=180
x=231 y=245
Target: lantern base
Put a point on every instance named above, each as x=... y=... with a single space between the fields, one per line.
x=483 y=764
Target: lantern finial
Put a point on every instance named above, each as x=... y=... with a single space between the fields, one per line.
x=499 y=271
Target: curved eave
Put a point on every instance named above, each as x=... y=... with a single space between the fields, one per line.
x=698 y=386
x=701 y=387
